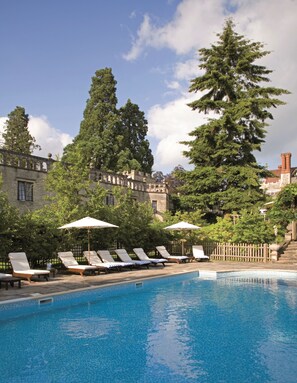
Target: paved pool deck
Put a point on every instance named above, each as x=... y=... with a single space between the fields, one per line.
x=66 y=282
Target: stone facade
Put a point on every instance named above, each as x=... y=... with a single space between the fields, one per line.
x=24 y=182
x=284 y=175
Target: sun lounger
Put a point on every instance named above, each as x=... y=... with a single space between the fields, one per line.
x=198 y=253
x=171 y=258
x=107 y=258
x=71 y=263
x=21 y=267
x=125 y=257
x=8 y=279
x=94 y=260
x=140 y=253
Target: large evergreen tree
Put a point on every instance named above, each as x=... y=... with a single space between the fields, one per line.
x=134 y=152
x=110 y=139
x=226 y=176
x=97 y=138
x=16 y=133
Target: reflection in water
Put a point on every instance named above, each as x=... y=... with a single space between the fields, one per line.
x=169 y=341
x=87 y=328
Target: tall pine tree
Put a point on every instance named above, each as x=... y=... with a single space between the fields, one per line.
x=226 y=176
x=16 y=133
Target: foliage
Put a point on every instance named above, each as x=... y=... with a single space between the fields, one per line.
x=221 y=231
x=284 y=208
x=248 y=227
x=16 y=134
x=193 y=217
x=69 y=186
x=226 y=176
x=133 y=218
x=8 y=223
x=96 y=142
x=110 y=139
x=38 y=236
x=134 y=153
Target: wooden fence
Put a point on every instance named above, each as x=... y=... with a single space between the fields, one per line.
x=236 y=252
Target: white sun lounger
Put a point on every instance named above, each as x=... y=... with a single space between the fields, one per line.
x=94 y=260
x=198 y=253
x=171 y=258
x=71 y=263
x=140 y=253
x=21 y=267
x=107 y=258
x=125 y=257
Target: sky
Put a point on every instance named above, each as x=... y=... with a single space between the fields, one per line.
x=50 y=50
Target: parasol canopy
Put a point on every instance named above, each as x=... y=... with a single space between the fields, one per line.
x=182 y=226
x=88 y=223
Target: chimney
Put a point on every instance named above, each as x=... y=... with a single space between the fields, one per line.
x=286 y=163
x=286 y=168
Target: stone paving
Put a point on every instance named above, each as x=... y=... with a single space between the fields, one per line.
x=65 y=282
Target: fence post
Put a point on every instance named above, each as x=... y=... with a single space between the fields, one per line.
x=265 y=252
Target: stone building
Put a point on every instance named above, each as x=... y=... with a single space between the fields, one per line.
x=23 y=179
x=284 y=175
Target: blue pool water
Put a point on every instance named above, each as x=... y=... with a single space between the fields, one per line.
x=179 y=329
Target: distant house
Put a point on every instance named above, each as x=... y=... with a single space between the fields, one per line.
x=23 y=179
x=284 y=175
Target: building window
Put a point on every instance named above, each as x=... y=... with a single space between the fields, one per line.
x=109 y=200
x=154 y=206
x=25 y=191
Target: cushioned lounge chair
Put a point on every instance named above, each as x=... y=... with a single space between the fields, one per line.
x=71 y=263
x=140 y=253
x=94 y=260
x=9 y=279
x=21 y=267
x=125 y=257
x=107 y=258
x=171 y=258
x=198 y=253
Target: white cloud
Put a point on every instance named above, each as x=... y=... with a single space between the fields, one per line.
x=50 y=139
x=170 y=124
x=187 y=31
x=195 y=25
x=173 y=85
x=187 y=70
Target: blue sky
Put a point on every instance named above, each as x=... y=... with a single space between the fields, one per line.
x=51 y=49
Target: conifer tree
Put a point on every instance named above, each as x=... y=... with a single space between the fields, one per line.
x=226 y=176
x=110 y=139
x=97 y=138
x=16 y=133
x=135 y=152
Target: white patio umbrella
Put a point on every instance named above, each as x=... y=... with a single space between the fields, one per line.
x=88 y=223
x=182 y=226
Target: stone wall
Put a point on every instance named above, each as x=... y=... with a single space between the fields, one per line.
x=33 y=170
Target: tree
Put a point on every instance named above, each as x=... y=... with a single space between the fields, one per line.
x=134 y=220
x=110 y=139
x=226 y=176
x=8 y=223
x=97 y=140
x=135 y=152
x=284 y=208
x=16 y=134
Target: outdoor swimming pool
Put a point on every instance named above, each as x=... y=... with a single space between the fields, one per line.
x=237 y=328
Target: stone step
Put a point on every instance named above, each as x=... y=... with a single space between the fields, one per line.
x=290 y=252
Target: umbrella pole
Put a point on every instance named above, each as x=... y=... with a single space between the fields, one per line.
x=89 y=249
